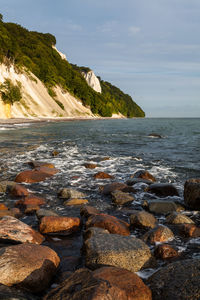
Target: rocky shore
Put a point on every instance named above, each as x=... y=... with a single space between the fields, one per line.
x=146 y=249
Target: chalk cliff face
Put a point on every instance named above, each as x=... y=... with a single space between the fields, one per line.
x=92 y=81
x=36 y=101
x=62 y=55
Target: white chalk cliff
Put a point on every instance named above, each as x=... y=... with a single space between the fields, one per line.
x=92 y=81
x=36 y=101
x=62 y=55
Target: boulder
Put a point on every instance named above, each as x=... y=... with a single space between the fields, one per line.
x=28 y=266
x=143 y=174
x=178 y=280
x=68 y=193
x=116 y=186
x=178 y=218
x=192 y=193
x=189 y=230
x=161 y=207
x=105 y=283
x=4 y=185
x=143 y=219
x=159 y=234
x=54 y=153
x=155 y=135
x=36 y=164
x=31 y=209
x=30 y=200
x=75 y=201
x=165 y=251
x=102 y=175
x=91 y=231
x=6 y=293
x=3 y=206
x=163 y=189
x=45 y=213
x=13 y=212
x=87 y=211
x=90 y=165
x=121 y=198
x=59 y=225
x=111 y=223
x=117 y=250
x=18 y=190
x=32 y=176
x=133 y=181
x=13 y=230
x=47 y=170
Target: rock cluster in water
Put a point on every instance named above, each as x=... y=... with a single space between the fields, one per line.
x=99 y=254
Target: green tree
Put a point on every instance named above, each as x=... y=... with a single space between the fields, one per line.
x=10 y=92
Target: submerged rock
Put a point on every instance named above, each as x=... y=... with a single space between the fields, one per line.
x=59 y=225
x=192 y=193
x=105 y=283
x=178 y=280
x=28 y=266
x=121 y=198
x=163 y=189
x=143 y=174
x=13 y=230
x=116 y=250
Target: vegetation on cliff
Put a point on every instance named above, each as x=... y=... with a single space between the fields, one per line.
x=33 y=50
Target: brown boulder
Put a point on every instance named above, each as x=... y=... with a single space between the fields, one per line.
x=111 y=223
x=28 y=266
x=31 y=209
x=13 y=212
x=32 y=176
x=121 y=198
x=158 y=234
x=102 y=175
x=90 y=165
x=12 y=229
x=59 y=225
x=87 y=211
x=165 y=251
x=178 y=218
x=143 y=175
x=111 y=187
x=75 y=201
x=143 y=219
x=30 y=200
x=163 y=189
x=3 y=206
x=192 y=193
x=189 y=230
x=18 y=190
x=36 y=164
x=103 y=284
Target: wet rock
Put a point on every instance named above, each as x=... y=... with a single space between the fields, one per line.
x=121 y=198
x=3 y=207
x=189 y=230
x=177 y=218
x=105 y=283
x=91 y=231
x=192 y=193
x=133 y=181
x=116 y=186
x=45 y=213
x=4 y=185
x=28 y=266
x=116 y=250
x=75 y=201
x=87 y=211
x=32 y=176
x=36 y=164
x=54 y=153
x=59 y=225
x=102 y=175
x=90 y=165
x=143 y=219
x=159 y=234
x=13 y=212
x=68 y=193
x=143 y=174
x=178 y=280
x=11 y=229
x=6 y=293
x=111 y=223
x=31 y=200
x=18 y=190
x=155 y=135
x=47 y=170
x=165 y=251
x=31 y=209
x=161 y=207
x=163 y=189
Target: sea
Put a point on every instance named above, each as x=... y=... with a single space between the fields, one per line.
x=169 y=148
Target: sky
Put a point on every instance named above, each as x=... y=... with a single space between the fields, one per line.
x=149 y=49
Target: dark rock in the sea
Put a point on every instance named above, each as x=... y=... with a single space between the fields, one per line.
x=18 y=190
x=163 y=189
x=36 y=164
x=111 y=223
x=192 y=193
x=189 y=230
x=87 y=211
x=30 y=200
x=133 y=181
x=161 y=207
x=178 y=218
x=28 y=266
x=32 y=176
x=158 y=234
x=68 y=193
x=54 y=153
x=90 y=165
x=5 y=185
x=75 y=201
x=117 y=250
x=143 y=219
x=11 y=229
x=59 y=225
x=143 y=174
x=111 y=187
x=102 y=175
x=165 y=251
x=105 y=283
x=155 y=135
x=177 y=281
x=45 y=213
x=121 y=198
x=6 y=293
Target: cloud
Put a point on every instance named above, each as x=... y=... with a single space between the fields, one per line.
x=108 y=26
x=133 y=30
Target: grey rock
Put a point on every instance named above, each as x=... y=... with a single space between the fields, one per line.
x=161 y=207
x=68 y=193
x=163 y=189
x=121 y=198
x=40 y=213
x=4 y=185
x=143 y=219
x=192 y=193
x=178 y=218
